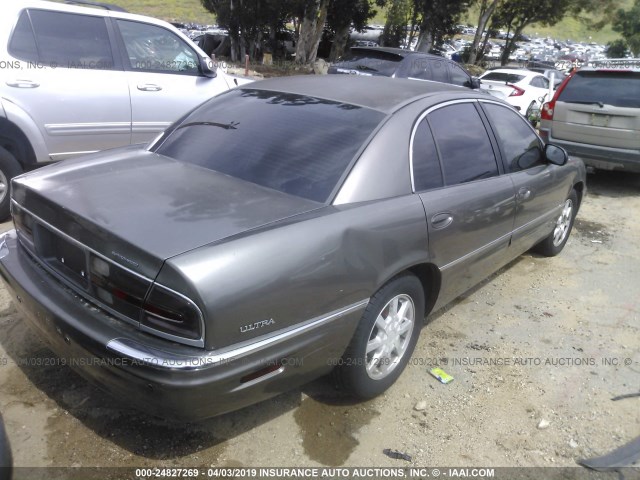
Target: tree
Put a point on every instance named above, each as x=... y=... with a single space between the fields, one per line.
x=617 y=49
x=438 y=18
x=342 y=14
x=314 y=15
x=628 y=24
x=487 y=7
x=248 y=20
x=515 y=15
x=399 y=15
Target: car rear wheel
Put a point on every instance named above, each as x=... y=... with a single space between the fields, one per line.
x=9 y=168
x=384 y=340
x=557 y=239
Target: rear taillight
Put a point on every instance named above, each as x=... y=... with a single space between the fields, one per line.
x=546 y=113
x=116 y=287
x=516 y=92
x=171 y=313
x=23 y=223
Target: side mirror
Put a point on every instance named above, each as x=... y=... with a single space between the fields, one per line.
x=208 y=68
x=475 y=83
x=555 y=155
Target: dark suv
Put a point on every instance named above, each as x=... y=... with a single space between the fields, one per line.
x=595 y=115
x=399 y=63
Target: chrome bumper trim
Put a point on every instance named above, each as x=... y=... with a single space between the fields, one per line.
x=160 y=359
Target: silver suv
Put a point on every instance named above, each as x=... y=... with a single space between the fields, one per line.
x=75 y=80
x=595 y=115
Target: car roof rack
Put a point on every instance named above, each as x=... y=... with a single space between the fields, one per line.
x=106 y=6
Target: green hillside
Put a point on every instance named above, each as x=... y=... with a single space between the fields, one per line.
x=170 y=10
x=193 y=11
x=569 y=28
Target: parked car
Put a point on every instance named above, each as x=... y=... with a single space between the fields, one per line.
x=371 y=33
x=364 y=43
x=444 y=50
x=76 y=80
x=214 y=45
x=558 y=75
x=595 y=114
x=524 y=89
x=400 y=63
x=280 y=230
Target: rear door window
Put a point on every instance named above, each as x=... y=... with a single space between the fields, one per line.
x=427 y=173
x=619 y=89
x=420 y=68
x=23 y=42
x=425 y=68
x=440 y=72
x=466 y=157
x=68 y=40
x=539 y=82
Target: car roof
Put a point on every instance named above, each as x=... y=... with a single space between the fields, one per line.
x=514 y=71
x=401 y=52
x=521 y=71
x=384 y=94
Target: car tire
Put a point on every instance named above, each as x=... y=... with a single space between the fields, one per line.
x=9 y=168
x=557 y=239
x=384 y=339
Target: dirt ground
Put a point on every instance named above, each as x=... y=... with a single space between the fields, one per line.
x=537 y=352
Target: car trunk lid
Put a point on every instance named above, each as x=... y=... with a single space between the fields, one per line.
x=138 y=208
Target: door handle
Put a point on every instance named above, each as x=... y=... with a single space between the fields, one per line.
x=149 y=87
x=441 y=220
x=524 y=193
x=23 y=83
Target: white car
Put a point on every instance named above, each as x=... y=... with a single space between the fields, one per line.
x=76 y=80
x=524 y=89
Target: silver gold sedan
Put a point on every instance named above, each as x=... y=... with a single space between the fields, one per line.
x=278 y=232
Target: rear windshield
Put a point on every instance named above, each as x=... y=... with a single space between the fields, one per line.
x=371 y=61
x=503 y=77
x=291 y=143
x=620 y=89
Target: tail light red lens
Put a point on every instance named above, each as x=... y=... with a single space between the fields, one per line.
x=546 y=113
x=516 y=92
x=169 y=312
x=117 y=288
x=23 y=223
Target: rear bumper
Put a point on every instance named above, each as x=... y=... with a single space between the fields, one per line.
x=164 y=378
x=605 y=158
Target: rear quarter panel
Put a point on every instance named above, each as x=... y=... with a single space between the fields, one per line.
x=302 y=269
